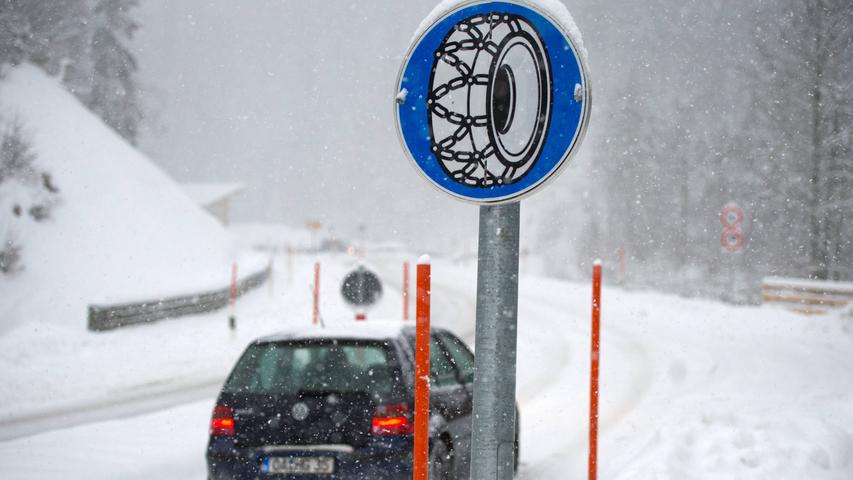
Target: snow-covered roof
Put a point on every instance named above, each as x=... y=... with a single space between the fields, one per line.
x=829 y=286
x=371 y=329
x=206 y=194
x=553 y=8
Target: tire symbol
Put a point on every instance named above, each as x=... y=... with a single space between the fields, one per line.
x=490 y=100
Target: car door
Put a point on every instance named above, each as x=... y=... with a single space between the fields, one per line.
x=462 y=361
x=447 y=393
x=451 y=393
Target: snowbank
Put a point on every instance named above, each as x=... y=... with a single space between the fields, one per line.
x=719 y=442
x=122 y=230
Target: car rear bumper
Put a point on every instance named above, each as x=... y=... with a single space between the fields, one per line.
x=356 y=464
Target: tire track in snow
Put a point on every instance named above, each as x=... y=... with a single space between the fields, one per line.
x=568 y=449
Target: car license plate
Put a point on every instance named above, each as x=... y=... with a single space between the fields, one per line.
x=299 y=465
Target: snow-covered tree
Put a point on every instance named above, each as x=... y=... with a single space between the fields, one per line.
x=49 y=34
x=27 y=194
x=804 y=72
x=83 y=42
x=14 y=36
x=113 y=94
x=708 y=104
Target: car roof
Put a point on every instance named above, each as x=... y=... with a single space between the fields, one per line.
x=349 y=330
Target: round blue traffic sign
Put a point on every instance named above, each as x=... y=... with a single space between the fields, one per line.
x=492 y=100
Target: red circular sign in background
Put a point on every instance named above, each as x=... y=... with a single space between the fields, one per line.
x=731 y=239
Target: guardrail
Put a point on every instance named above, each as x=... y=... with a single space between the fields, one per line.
x=806 y=296
x=109 y=317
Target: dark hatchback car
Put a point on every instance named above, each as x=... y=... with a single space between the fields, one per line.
x=337 y=404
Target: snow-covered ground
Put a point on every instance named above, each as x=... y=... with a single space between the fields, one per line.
x=690 y=388
x=70 y=374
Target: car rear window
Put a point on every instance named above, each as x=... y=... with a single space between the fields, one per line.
x=288 y=368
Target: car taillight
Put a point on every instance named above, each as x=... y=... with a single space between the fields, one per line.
x=222 y=422
x=391 y=420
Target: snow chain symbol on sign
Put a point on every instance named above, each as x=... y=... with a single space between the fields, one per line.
x=490 y=99
x=732 y=238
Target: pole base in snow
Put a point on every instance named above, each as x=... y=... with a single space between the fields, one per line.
x=232 y=322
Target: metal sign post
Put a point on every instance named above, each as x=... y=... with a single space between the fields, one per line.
x=732 y=240
x=492 y=101
x=405 y=290
x=493 y=429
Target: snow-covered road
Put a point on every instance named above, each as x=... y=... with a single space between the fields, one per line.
x=690 y=388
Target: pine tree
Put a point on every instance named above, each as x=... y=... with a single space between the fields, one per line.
x=805 y=62
x=113 y=94
x=25 y=191
x=16 y=155
x=83 y=43
x=49 y=34
x=14 y=35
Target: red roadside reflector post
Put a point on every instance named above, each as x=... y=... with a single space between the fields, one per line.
x=593 y=373
x=405 y=290
x=422 y=300
x=316 y=318
x=620 y=257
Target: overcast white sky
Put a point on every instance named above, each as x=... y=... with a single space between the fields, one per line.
x=295 y=99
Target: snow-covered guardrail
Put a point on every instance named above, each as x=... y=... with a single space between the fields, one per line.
x=108 y=317
x=806 y=296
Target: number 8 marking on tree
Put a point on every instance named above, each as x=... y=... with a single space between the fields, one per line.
x=732 y=239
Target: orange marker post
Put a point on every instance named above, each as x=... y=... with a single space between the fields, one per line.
x=422 y=339
x=620 y=255
x=593 y=383
x=405 y=290
x=316 y=318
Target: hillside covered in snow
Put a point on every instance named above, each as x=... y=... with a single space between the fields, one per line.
x=117 y=228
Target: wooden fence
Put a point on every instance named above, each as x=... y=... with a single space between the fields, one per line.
x=806 y=296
